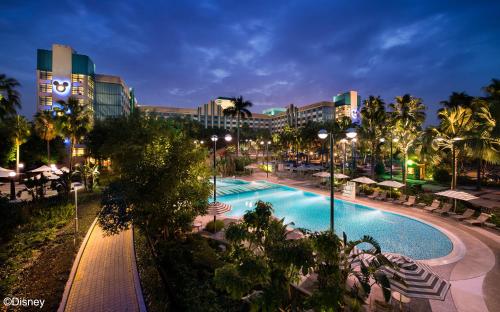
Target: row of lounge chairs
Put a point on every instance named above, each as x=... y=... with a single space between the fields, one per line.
x=435 y=207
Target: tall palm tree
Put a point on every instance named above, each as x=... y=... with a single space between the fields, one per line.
x=483 y=146
x=493 y=98
x=452 y=132
x=408 y=116
x=74 y=122
x=45 y=128
x=372 y=122
x=9 y=97
x=20 y=128
x=240 y=110
x=458 y=99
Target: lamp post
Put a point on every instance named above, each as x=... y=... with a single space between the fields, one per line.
x=12 y=176
x=267 y=156
x=450 y=143
x=214 y=139
x=323 y=134
x=351 y=134
x=344 y=155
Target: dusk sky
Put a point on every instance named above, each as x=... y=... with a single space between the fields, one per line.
x=185 y=53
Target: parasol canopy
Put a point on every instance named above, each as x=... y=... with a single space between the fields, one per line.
x=43 y=168
x=457 y=195
x=391 y=183
x=251 y=166
x=3 y=169
x=217 y=208
x=364 y=180
x=322 y=174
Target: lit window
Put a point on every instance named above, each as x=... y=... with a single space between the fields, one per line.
x=45 y=100
x=45 y=75
x=46 y=87
x=78 y=151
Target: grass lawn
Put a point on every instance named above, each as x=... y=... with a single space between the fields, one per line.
x=36 y=260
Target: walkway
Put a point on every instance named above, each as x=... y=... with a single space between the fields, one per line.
x=105 y=277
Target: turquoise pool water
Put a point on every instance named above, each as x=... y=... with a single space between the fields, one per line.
x=394 y=232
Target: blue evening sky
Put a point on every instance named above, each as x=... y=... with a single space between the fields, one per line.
x=184 y=53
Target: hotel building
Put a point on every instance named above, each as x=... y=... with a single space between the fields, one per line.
x=211 y=115
x=62 y=73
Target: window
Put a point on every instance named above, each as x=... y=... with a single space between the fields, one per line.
x=45 y=75
x=45 y=100
x=77 y=78
x=77 y=90
x=78 y=151
x=46 y=88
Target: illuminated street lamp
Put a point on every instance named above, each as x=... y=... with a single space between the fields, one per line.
x=12 y=176
x=351 y=134
x=323 y=134
x=214 y=139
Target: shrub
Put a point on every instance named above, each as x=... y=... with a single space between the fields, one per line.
x=379 y=169
x=219 y=225
x=495 y=219
x=441 y=175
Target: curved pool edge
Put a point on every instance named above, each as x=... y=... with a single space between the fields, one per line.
x=458 y=249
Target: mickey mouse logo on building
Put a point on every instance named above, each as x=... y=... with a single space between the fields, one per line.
x=61 y=87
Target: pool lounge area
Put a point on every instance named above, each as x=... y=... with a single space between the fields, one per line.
x=394 y=232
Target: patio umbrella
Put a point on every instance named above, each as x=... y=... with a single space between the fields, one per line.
x=457 y=195
x=43 y=168
x=3 y=169
x=364 y=180
x=251 y=166
x=5 y=174
x=217 y=208
x=340 y=176
x=65 y=169
x=322 y=174
x=409 y=277
x=392 y=184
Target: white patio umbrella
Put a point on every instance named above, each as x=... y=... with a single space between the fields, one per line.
x=3 y=169
x=340 y=176
x=457 y=195
x=364 y=180
x=392 y=184
x=217 y=208
x=322 y=174
x=5 y=174
x=251 y=166
x=43 y=168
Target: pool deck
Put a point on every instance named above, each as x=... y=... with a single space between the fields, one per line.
x=473 y=267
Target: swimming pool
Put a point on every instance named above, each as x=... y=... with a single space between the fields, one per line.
x=395 y=233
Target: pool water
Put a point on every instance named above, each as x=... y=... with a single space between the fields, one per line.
x=395 y=233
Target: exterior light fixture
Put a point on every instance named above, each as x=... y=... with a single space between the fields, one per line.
x=12 y=174
x=214 y=138
x=382 y=140
x=201 y=142
x=351 y=133
x=322 y=134
x=228 y=137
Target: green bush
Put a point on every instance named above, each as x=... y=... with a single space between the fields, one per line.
x=495 y=219
x=441 y=176
x=219 y=225
x=379 y=169
x=241 y=162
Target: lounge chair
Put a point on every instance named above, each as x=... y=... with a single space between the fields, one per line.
x=401 y=199
x=382 y=196
x=374 y=195
x=446 y=209
x=466 y=215
x=483 y=217
x=410 y=202
x=434 y=206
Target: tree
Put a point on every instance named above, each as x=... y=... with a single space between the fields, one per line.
x=10 y=98
x=74 y=122
x=162 y=180
x=483 y=146
x=240 y=110
x=20 y=128
x=45 y=128
x=453 y=130
x=458 y=99
x=408 y=114
x=493 y=98
x=372 y=124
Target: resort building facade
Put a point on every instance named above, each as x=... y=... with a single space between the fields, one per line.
x=211 y=114
x=62 y=73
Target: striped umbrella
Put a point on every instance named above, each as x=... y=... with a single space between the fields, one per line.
x=217 y=208
x=410 y=278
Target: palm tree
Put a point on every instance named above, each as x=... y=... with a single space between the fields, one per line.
x=9 y=97
x=408 y=115
x=455 y=124
x=493 y=98
x=20 y=128
x=372 y=123
x=74 y=122
x=240 y=110
x=483 y=146
x=45 y=128
x=458 y=99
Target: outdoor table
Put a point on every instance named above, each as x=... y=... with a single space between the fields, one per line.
x=197 y=225
x=402 y=299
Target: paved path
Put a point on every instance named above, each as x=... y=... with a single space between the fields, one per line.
x=106 y=277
